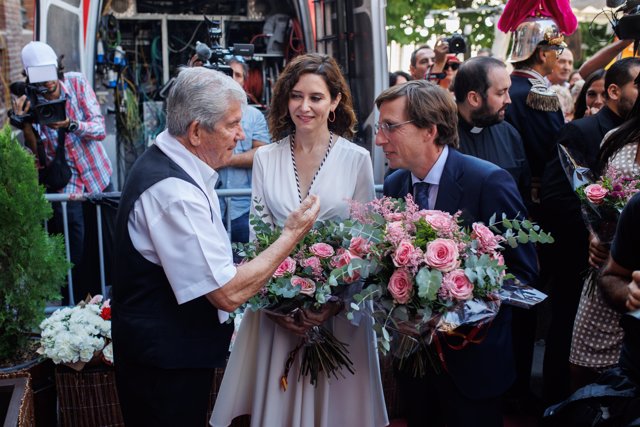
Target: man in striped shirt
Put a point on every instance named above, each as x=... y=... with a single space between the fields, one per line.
x=83 y=132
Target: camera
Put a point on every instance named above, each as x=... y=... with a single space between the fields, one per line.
x=215 y=56
x=457 y=43
x=41 y=111
x=626 y=27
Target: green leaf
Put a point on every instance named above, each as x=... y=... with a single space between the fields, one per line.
x=428 y=283
x=523 y=237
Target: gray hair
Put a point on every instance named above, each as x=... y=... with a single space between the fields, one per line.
x=203 y=95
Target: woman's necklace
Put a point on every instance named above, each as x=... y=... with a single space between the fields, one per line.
x=295 y=169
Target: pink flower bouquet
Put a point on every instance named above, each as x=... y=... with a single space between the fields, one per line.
x=428 y=275
x=325 y=266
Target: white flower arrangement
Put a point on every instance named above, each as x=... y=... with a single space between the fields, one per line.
x=74 y=335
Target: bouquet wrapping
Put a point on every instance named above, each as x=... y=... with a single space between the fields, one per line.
x=602 y=199
x=433 y=281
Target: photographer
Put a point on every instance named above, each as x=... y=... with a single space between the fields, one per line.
x=446 y=64
x=81 y=164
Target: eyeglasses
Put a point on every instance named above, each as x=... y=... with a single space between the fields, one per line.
x=388 y=129
x=453 y=65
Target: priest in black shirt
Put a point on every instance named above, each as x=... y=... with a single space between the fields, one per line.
x=482 y=93
x=481 y=89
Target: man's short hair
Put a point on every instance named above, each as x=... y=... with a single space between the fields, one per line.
x=427 y=104
x=620 y=73
x=414 y=54
x=473 y=75
x=203 y=95
x=245 y=66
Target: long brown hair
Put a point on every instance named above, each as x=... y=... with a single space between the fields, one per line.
x=280 y=123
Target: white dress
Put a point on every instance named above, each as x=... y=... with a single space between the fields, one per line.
x=251 y=384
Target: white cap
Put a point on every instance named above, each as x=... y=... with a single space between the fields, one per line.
x=40 y=62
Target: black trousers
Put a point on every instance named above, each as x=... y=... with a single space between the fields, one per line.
x=152 y=396
x=435 y=401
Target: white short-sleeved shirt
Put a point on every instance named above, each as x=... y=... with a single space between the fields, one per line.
x=171 y=225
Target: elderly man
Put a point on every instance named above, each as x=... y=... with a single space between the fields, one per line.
x=176 y=279
x=562 y=70
x=418 y=133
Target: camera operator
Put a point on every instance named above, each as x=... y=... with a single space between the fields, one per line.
x=81 y=132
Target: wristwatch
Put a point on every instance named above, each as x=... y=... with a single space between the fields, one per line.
x=73 y=126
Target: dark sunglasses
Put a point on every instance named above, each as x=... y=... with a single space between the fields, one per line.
x=453 y=65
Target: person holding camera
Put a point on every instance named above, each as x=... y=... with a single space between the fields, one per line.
x=446 y=63
x=61 y=120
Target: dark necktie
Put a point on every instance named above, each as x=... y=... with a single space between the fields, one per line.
x=421 y=194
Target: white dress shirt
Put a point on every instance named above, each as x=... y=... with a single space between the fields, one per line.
x=433 y=177
x=171 y=226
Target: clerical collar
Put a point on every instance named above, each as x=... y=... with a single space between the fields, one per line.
x=468 y=126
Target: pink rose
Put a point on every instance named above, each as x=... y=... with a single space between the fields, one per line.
x=359 y=246
x=456 y=285
x=343 y=258
x=313 y=262
x=487 y=241
x=404 y=254
x=287 y=266
x=401 y=286
x=322 y=250
x=442 y=222
x=307 y=286
x=595 y=193
x=442 y=254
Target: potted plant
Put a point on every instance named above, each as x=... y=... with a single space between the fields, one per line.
x=32 y=269
x=32 y=263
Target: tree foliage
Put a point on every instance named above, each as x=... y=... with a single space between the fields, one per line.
x=406 y=23
x=406 y=20
x=32 y=263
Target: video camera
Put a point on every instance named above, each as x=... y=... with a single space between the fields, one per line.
x=626 y=27
x=457 y=43
x=41 y=110
x=215 y=56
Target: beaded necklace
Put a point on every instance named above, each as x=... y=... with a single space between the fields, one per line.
x=295 y=169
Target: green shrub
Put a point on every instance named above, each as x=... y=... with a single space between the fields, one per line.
x=32 y=263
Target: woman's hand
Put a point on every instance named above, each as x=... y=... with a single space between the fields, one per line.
x=598 y=253
x=305 y=319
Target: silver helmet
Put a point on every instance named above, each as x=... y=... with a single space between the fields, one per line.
x=530 y=33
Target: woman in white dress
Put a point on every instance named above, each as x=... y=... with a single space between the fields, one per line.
x=310 y=114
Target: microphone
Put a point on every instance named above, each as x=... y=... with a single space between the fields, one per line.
x=203 y=51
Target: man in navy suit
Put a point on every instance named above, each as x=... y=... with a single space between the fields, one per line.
x=418 y=133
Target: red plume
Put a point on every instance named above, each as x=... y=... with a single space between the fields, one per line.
x=517 y=11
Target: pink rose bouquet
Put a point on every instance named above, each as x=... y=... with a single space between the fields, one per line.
x=320 y=269
x=427 y=274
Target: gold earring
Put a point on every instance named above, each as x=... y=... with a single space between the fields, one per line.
x=334 y=116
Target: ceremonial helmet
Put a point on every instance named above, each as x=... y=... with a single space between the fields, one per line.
x=531 y=32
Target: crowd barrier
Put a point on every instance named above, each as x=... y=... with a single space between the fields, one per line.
x=110 y=201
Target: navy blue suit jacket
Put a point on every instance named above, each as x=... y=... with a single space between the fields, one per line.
x=479 y=189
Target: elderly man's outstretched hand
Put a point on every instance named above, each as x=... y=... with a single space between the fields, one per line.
x=300 y=221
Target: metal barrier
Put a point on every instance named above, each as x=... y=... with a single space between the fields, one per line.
x=63 y=198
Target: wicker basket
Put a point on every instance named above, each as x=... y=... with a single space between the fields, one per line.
x=22 y=381
x=88 y=398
